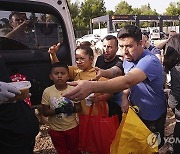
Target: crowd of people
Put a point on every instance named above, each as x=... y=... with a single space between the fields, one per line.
x=138 y=80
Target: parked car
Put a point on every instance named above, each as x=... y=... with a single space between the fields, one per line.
x=92 y=38
x=32 y=59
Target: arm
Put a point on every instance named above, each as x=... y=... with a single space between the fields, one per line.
x=161 y=45
x=109 y=73
x=47 y=111
x=18 y=30
x=53 y=50
x=84 y=88
x=125 y=101
x=100 y=97
x=112 y=72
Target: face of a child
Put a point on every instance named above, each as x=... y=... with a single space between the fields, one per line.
x=83 y=60
x=59 y=75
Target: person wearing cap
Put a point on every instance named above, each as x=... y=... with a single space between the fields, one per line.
x=143 y=78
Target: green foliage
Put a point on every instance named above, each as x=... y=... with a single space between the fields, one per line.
x=173 y=9
x=146 y=10
x=123 y=8
x=91 y=9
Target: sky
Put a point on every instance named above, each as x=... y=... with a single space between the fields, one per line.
x=159 y=5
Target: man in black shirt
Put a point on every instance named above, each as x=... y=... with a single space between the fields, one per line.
x=107 y=60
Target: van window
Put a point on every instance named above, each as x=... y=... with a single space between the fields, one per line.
x=24 y=48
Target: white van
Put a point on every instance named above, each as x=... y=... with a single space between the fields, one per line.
x=50 y=23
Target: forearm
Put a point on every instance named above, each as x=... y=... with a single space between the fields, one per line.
x=161 y=45
x=54 y=58
x=110 y=86
x=119 y=83
x=112 y=72
x=125 y=94
x=49 y=112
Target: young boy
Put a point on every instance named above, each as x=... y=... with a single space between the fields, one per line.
x=61 y=112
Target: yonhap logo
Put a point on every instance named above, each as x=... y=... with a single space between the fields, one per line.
x=154 y=139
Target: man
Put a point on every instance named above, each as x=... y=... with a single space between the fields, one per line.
x=107 y=60
x=146 y=45
x=18 y=123
x=20 y=30
x=143 y=77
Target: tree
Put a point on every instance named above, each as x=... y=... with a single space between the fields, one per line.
x=91 y=9
x=74 y=11
x=173 y=9
x=123 y=8
x=146 y=10
x=110 y=12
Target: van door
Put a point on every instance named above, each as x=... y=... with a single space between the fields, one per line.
x=26 y=53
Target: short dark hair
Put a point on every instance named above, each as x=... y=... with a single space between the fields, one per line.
x=146 y=34
x=85 y=43
x=130 y=31
x=59 y=64
x=15 y=13
x=111 y=37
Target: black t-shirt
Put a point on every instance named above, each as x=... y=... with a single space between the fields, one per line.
x=106 y=65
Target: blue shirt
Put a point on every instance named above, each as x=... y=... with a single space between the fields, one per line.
x=148 y=95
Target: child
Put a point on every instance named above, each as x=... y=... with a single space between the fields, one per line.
x=83 y=71
x=60 y=111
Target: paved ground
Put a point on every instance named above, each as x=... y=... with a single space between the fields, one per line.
x=44 y=144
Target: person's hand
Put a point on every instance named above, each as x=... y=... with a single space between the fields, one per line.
x=93 y=98
x=7 y=92
x=66 y=108
x=81 y=90
x=125 y=105
x=69 y=108
x=53 y=49
x=22 y=27
x=99 y=74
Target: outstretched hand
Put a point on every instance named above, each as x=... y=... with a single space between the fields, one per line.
x=7 y=92
x=81 y=90
x=54 y=48
x=99 y=74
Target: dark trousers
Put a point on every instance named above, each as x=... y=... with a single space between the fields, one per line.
x=157 y=126
x=176 y=145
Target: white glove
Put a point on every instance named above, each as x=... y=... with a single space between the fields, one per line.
x=7 y=92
